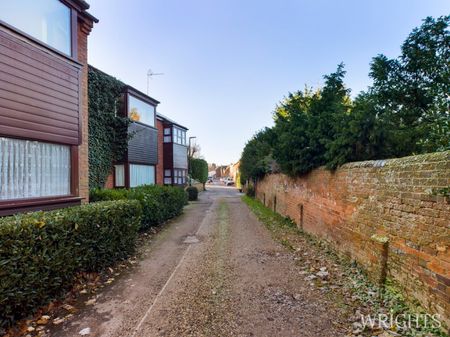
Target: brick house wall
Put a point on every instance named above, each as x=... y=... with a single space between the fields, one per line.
x=84 y=28
x=361 y=205
x=109 y=184
x=160 y=165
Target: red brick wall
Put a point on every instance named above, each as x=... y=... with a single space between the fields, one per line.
x=84 y=29
x=363 y=203
x=160 y=165
x=109 y=184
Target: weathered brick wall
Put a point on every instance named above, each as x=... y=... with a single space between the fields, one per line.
x=361 y=204
x=109 y=183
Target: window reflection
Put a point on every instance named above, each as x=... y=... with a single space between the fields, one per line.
x=140 y=111
x=46 y=20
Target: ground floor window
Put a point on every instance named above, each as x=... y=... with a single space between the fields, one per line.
x=142 y=175
x=179 y=176
x=119 y=175
x=167 y=176
x=31 y=169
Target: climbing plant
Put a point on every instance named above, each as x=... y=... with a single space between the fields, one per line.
x=108 y=132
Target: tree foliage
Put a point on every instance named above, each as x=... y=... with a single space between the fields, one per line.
x=108 y=132
x=199 y=169
x=404 y=112
x=411 y=92
x=256 y=159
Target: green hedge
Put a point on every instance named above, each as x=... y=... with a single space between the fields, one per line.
x=159 y=203
x=41 y=252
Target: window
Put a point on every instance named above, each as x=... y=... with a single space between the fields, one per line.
x=140 y=111
x=46 y=20
x=30 y=169
x=168 y=177
x=167 y=136
x=142 y=175
x=179 y=136
x=179 y=177
x=119 y=175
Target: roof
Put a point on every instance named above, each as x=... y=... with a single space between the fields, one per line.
x=83 y=6
x=129 y=88
x=171 y=121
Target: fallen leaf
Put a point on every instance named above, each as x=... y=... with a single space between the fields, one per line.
x=91 y=301
x=85 y=331
x=58 y=321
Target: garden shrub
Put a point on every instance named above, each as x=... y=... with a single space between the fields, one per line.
x=192 y=192
x=159 y=203
x=41 y=252
x=100 y=194
x=251 y=191
x=199 y=170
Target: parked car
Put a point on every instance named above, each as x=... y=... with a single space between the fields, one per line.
x=229 y=182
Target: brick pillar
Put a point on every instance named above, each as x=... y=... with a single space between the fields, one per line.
x=84 y=28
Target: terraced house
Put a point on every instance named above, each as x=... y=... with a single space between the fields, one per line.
x=43 y=104
x=174 y=160
x=156 y=148
x=139 y=165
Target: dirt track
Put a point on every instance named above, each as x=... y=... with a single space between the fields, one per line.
x=215 y=271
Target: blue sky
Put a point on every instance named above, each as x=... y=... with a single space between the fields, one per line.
x=227 y=63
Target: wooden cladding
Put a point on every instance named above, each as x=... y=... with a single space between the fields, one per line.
x=143 y=145
x=39 y=93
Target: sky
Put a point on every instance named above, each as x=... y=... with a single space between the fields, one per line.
x=227 y=63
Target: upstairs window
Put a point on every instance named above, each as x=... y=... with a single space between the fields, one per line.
x=167 y=136
x=46 y=20
x=140 y=111
x=179 y=136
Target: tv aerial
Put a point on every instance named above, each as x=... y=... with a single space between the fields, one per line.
x=150 y=74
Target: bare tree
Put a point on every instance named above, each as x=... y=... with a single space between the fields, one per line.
x=194 y=151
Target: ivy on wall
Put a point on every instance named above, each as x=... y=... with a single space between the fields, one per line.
x=108 y=136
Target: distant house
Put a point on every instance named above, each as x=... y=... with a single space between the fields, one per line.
x=43 y=104
x=222 y=171
x=175 y=151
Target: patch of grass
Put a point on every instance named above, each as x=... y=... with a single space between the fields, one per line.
x=387 y=299
x=270 y=218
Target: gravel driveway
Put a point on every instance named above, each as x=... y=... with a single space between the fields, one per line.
x=214 y=271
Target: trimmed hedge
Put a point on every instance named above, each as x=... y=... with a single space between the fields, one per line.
x=41 y=252
x=192 y=192
x=159 y=203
